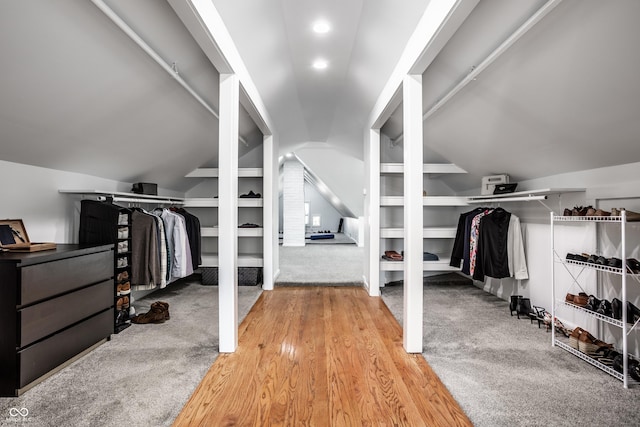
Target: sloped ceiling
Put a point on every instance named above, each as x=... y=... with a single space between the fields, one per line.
x=76 y=94
x=565 y=97
x=276 y=43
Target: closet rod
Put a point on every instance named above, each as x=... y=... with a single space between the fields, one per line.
x=504 y=46
x=120 y=23
x=152 y=201
x=508 y=199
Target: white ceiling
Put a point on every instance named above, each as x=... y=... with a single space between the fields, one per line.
x=77 y=94
x=278 y=46
x=564 y=97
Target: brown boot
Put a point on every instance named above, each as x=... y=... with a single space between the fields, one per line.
x=164 y=306
x=155 y=315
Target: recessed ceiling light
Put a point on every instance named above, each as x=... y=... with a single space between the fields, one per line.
x=320 y=64
x=321 y=27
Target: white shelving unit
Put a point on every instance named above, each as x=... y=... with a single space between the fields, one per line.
x=201 y=202
x=206 y=209
x=575 y=270
x=251 y=258
x=250 y=240
x=389 y=233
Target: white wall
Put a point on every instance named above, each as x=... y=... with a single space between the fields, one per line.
x=293 y=204
x=318 y=205
x=617 y=186
x=31 y=193
x=354 y=228
x=342 y=173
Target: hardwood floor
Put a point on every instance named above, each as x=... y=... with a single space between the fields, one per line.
x=320 y=356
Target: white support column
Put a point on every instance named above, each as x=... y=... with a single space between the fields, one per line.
x=372 y=212
x=270 y=211
x=293 y=204
x=228 y=212
x=413 y=288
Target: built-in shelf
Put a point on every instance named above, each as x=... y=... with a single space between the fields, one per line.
x=250 y=232
x=522 y=196
x=201 y=202
x=441 y=265
x=244 y=260
x=209 y=232
x=242 y=232
x=118 y=196
x=208 y=202
x=426 y=201
x=213 y=173
x=427 y=233
x=431 y=168
x=250 y=203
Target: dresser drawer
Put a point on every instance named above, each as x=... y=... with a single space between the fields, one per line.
x=49 y=279
x=39 y=320
x=40 y=358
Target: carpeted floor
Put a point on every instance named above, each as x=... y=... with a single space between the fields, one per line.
x=338 y=265
x=143 y=376
x=338 y=239
x=504 y=372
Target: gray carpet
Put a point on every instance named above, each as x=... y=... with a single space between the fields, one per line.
x=338 y=239
x=338 y=265
x=144 y=375
x=504 y=372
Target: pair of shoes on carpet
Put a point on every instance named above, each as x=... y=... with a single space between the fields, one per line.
x=158 y=313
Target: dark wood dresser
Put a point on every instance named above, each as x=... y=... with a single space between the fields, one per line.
x=54 y=306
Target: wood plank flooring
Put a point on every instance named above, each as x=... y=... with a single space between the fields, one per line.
x=320 y=356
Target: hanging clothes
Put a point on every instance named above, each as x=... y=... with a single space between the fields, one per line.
x=162 y=249
x=460 y=242
x=489 y=242
x=474 y=238
x=491 y=259
x=515 y=250
x=178 y=242
x=145 y=262
x=193 y=234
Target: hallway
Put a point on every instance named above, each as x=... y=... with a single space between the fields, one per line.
x=321 y=264
x=320 y=356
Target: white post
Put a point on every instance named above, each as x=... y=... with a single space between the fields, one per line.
x=413 y=207
x=228 y=212
x=293 y=204
x=270 y=211
x=372 y=213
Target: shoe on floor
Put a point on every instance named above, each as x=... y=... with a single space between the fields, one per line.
x=157 y=314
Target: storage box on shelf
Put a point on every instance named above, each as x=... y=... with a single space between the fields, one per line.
x=575 y=269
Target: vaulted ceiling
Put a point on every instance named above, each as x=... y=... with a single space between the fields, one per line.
x=77 y=94
x=564 y=97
